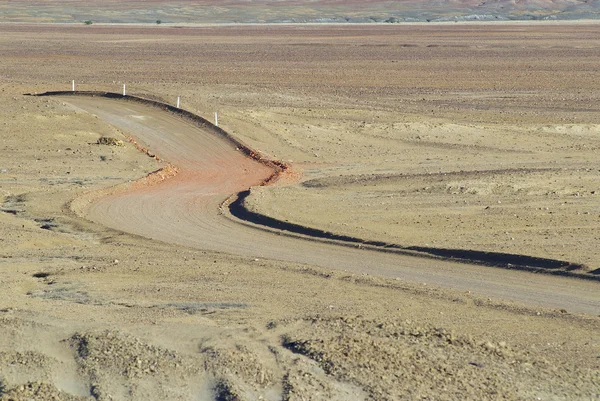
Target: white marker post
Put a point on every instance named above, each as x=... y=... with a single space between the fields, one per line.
x=178 y=101
x=216 y=119
x=124 y=91
x=73 y=85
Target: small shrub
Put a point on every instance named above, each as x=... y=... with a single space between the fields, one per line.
x=3 y=387
x=110 y=141
x=89 y=22
x=158 y=22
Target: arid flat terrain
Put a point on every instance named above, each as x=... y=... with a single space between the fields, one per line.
x=293 y=11
x=472 y=138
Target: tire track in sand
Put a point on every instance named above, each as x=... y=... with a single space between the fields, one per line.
x=184 y=210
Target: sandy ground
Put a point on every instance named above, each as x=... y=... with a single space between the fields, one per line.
x=276 y=11
x=92 y=312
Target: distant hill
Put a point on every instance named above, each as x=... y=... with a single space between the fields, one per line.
x=282 y=11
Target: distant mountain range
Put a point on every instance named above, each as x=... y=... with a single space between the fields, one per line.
x=294 y=11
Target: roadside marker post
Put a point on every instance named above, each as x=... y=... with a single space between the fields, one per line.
x=73 y=85
x=178 y=99
x=124 y=92
x=216 y=119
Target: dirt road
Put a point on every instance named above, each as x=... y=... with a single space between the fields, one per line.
x=185 y=210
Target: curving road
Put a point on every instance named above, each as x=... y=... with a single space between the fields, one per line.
x=185 y=210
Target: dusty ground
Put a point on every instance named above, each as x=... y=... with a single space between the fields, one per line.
x=278 y=11
x=92 y=312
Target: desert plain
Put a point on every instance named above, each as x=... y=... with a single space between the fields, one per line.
x=123 y=276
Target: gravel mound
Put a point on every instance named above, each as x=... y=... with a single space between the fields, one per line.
x=37 y=391
x=394 y=360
